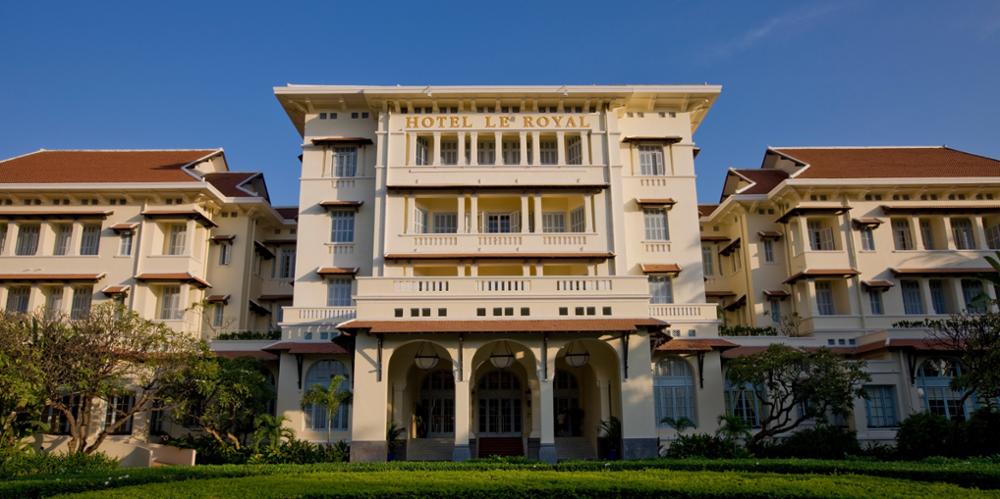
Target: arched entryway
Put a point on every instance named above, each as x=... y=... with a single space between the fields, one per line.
x=586 y=390
x=422 y=400
x=435 y=409
x=567 y=411
x=505 y=386
x=500 y=400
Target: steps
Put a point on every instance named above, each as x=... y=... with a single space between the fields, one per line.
x=430 y=449
x=500 y=446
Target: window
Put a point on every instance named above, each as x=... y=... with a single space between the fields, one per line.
x=125 y=243
x=449 y=152
x=218 y=314
x=867 y=239
x=934 y=378
x=554 y=221
x=820 y=235
x=880 y=406
x=90 y=242
x=423 y=151
x=768 y=247
x=3 y=237
x=225 y=253
x=961 y=230
x=420 y=225
x=651 y=160
x=57 y=421
x=548 y=151
x=574 y=150
x=157 y=419
x=445 y=223
x=972 y=290
x=673 y=390
x=824 y=298
x=875 y=302
x=54 y=302
x=170 y=303
x=708 y=261
x=901 y=235
x=503 y=222
x=338 y=293
x=486 y=153
x=17 y=299
x=118 y=412
x=927 y=234
x=63 y=234
x=657 y=228
x=661 y=289
x=577 y=220
x=176 y=239
x=82 y=297
x=775 y=312
x=913 y=302
x=743 y=402
x=27 y=239
x=345 y=161
x=511 y=153
x=322 y=373
x=342 y=226
x=938 y=299
x=286 y=263
x=992 y=236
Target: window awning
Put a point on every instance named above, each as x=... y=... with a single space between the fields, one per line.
x=715 y=239
x=223 y=238
x=336 y=271
x=731 y=247
x=736 y=304
x=877 y=284
x=54 y=214
x=217 y=298
x=258 y=308
x=660 y=268
x=338 y=204
x=821 y=274
x=719 y=294
x=123 y=228
x=670 y=139
x=183 y=277
x=942 y=271
x=263 y=250
x=190 y=214
x=971 y=209
x=341 y=141
x=776 y=293
x=813 y=210
x=27 y=276
x=274 y=297
x=666 y=202
x=681 y=345
x=866 y=222
x=505 y=326
x=769 y=234
x=115 y=290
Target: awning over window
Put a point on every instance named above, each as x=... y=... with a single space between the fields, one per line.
x=776 y=293
x=832 y=209
x=670 y=139
x=681 y=345
x=822 y=274
x=122 y=228
x=341 y=141
x=660 y=268
x=866 y=222
x=736 y=304
x=666 y=202
x=258 y=308
x=769 y=234
x=337 y=204
x=174 y=277
x=336 y=271
x=731 y=247
x=263 y=250
x=217 y=298
x=877 y=284
x=189 y=214
x=940 y=208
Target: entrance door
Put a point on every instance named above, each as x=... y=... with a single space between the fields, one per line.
x=437 y=405
x=499 y=401
x=566 y=401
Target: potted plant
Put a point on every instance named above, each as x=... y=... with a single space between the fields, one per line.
x=393 y=442
x=611 y=432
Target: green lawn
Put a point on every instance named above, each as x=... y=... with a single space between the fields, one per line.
x=684 y=478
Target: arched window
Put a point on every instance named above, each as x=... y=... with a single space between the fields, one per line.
x=567 y=412
x=934 y=379
x=744 y=403
x=437 y=405
x=321 y=373
x=673 y=390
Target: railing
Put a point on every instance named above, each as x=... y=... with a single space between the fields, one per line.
x=507 y=242
x=701 y=311
x=312 y=314
x=634 y=286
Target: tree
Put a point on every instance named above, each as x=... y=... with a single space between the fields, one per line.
x=21 y=381
x=220 y=397
x=330 y=397
x=85 y=363
x=793 y=386
x=975 y=338
x=271 y=431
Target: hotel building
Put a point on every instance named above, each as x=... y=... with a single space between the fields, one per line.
x=499 y=270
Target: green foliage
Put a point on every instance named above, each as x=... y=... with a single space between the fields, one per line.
x=393 y=432
x=924 y=434
x=610 y=432
x=680 y=424
x=704 y=445
x=270 y=431
x=330 y=397
x=27 y=463
x=741 y=330
x=289 y=450
x=274 y=334
x=733 y=428
x=21 y=381
x=800 y=386
x=820 y=442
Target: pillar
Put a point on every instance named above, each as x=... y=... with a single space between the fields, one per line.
x=804 y=232
x=524 y=213
x=461 y=148
x=474 y=219
x=461 y=224
x=561 y=148
x=536 y=154
x=463 y=405
x=538 y=213
x=498 y=148
x=949 y=236
x=370 y=399
x=413 y=148
x=437 y=149
x=639 y=433
x=523 y=136
x=980 y=232
x=925 y=294
x=588 y=213
x=585 y=148
x=474 y=149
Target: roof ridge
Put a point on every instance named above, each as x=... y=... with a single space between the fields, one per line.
x=131 y=150
x=861 y=147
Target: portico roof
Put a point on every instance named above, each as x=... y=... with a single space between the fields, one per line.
x=505 y=326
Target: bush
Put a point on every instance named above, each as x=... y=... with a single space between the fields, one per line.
x=296 y=451
x=704 y=445
x=982 y=433
x=16 y=464
x=820 y=442
x=924 y=434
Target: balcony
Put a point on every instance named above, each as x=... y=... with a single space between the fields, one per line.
x=820 y=259
x=496 y=176
x=501 y=243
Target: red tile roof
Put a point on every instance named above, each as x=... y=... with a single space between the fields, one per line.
x=28 y=276
x=890 y=162
x=695 y=345
x=762 y=180
x=660 y=268
x=228 y=183
x=705 y=210
x=102 y=166
x=288 y=212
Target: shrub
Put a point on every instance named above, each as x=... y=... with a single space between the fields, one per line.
x=704 y=445
x=296 y=451
x=982 y=433
x=820 y=442
x=924 y=434
x=15 y=464
x=250 y=335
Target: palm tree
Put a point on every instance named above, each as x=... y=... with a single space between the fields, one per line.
x=270 y=429
x=679 y=424
x=330 y=397
x=733 y=428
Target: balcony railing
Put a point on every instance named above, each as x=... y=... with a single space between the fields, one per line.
x=684 y=311
x=632 y=286
x=499 y=242
x=318 y=314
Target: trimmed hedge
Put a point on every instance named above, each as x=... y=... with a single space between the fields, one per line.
x=547 y=483
x=982 y=474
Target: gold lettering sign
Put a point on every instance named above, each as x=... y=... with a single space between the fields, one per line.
x=488 y=121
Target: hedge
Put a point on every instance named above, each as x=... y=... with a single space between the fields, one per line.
x=981 y=474
x=546 y=483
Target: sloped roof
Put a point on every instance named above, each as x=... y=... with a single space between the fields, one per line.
x=99 y=166
x=762 y=180
x=889 y=162
x=705 y=210
x=229 y=183
x=289 y=212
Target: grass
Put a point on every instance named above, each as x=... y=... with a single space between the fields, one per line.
x=547 y=483
x=686 y=477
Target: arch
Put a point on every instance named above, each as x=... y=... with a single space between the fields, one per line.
x=500 y=400
x=934 y=376
x=567 y=406
x=435 y=408
x=673 y=389
x=412 y=408
x=322 y=372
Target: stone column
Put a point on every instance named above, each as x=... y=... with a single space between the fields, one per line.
x=523 y=136
x=925 y=294
x=461 y=149
x=461 y=225
x=639 y=434
x=538 y=213
x=536 y=154
x=437 y=149
x=980 y=233
x=547 y=440
x=474 y=217
x=369 y=414
x=524 y=213
x=804 y=231
x=498 y=148
x=413 y=148
x=474 y=149
x=588 y=213
x=585 y=154
x=949 y=236
x=561 y=148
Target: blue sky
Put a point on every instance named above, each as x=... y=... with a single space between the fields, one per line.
x=200 y=74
